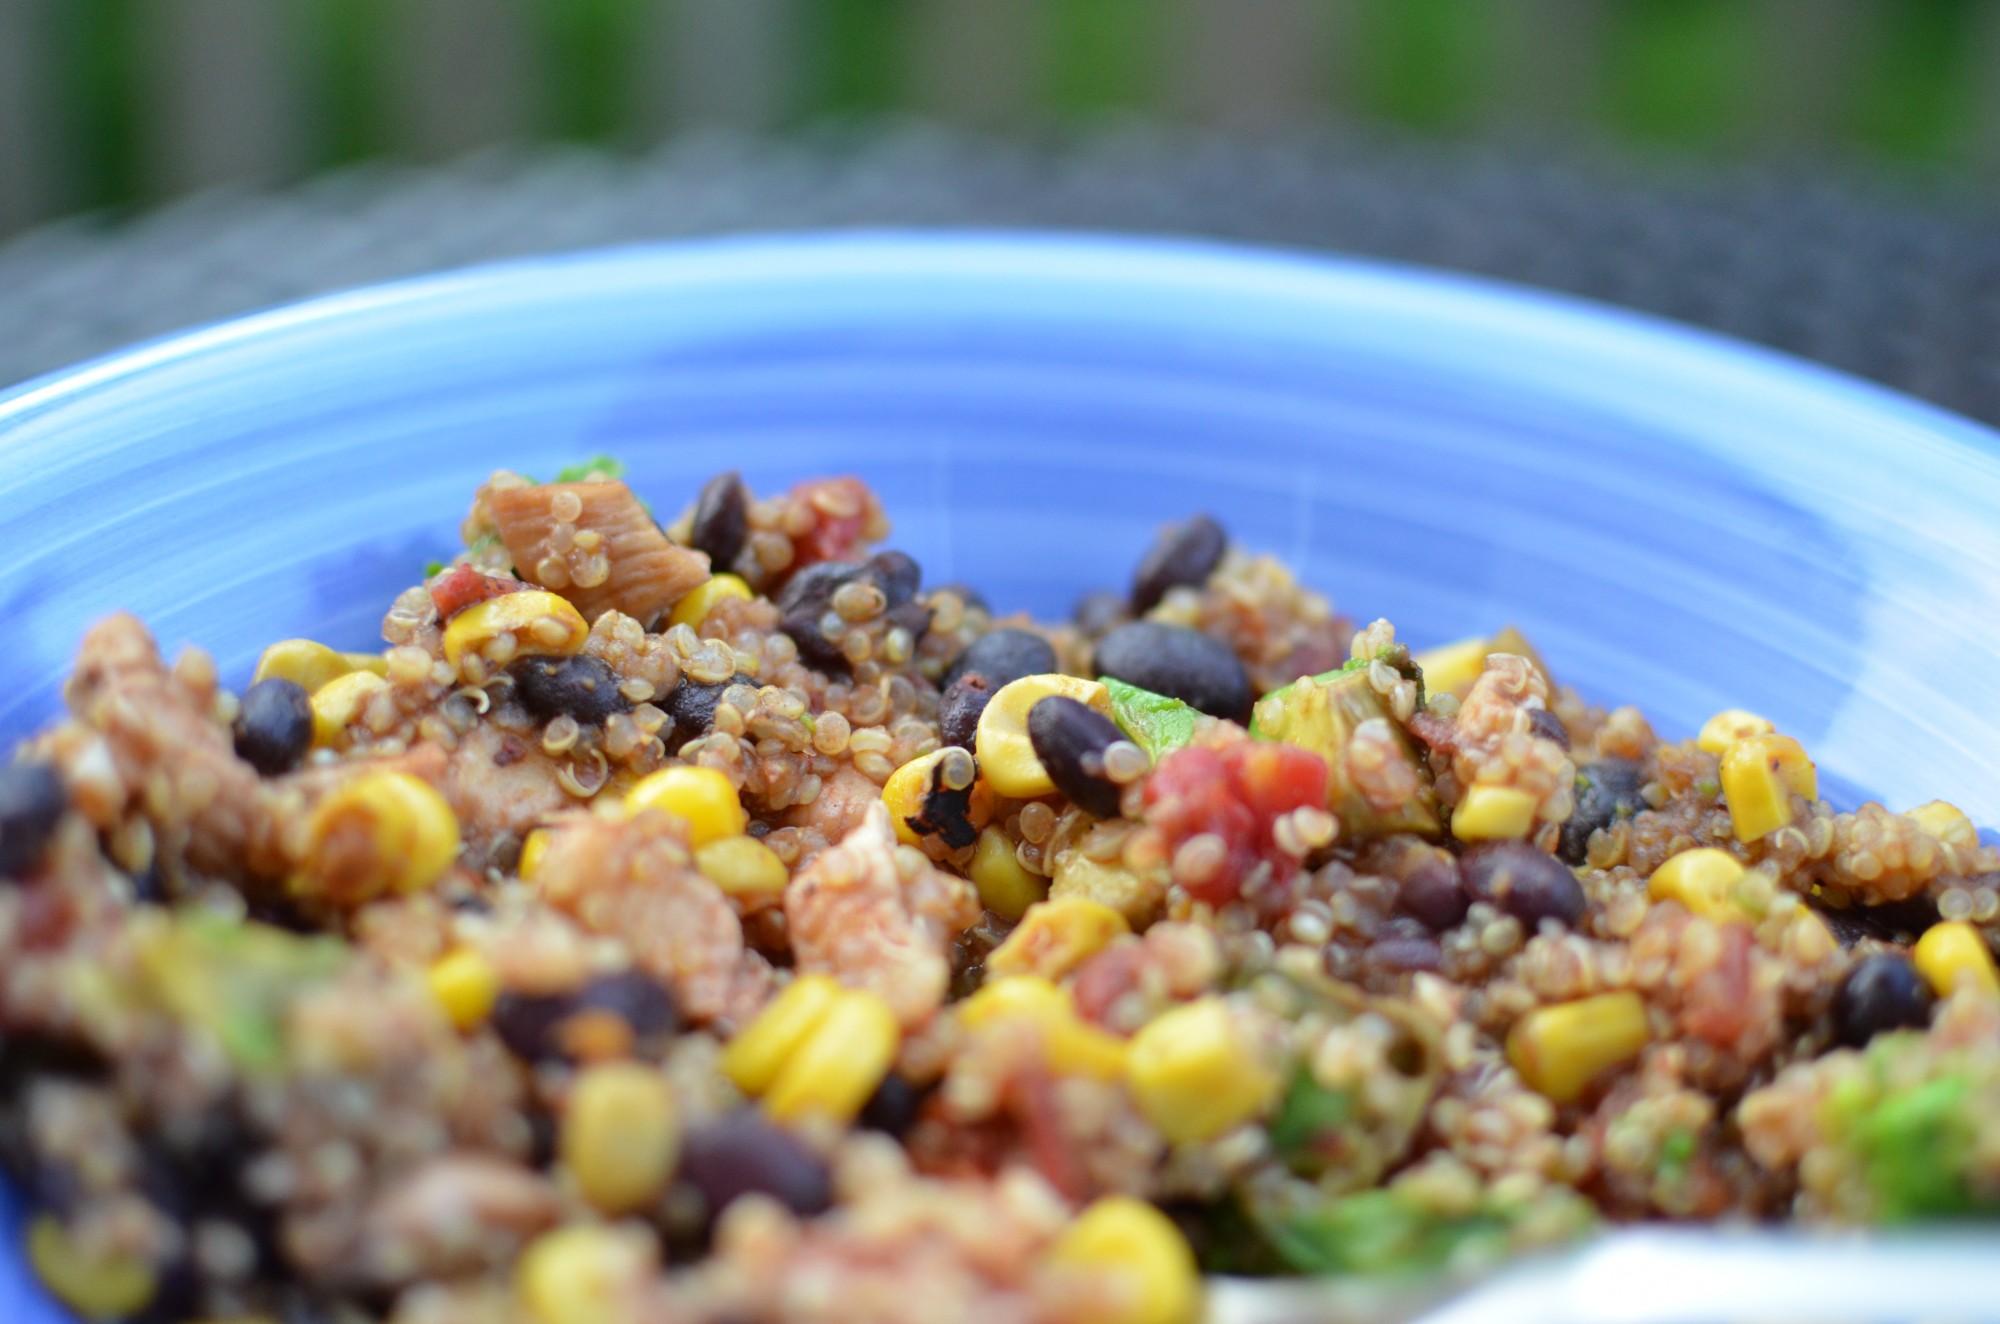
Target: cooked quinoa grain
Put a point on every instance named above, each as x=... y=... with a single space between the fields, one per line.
x=711 y=921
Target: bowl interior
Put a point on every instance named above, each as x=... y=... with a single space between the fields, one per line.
x=1675 y=520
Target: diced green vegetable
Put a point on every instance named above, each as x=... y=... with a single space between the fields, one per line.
x=234 y=979
x=1911 y=1133
x=597 y=466
x=433 y=568
x=1390 y=1232
x=1157 y=724
x=1307 y=1130
x=1321 y=714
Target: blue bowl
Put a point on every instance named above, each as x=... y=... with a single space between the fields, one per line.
x=1676 y=520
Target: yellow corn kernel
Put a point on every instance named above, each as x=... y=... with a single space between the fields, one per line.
x=466 y=985
x=950 y=768
x=1006 y=756
x=370 y=662
x=584 y=1274
x=1075 y=1047
x=1560 y=1049
x=755 y=1055
x=621 y=1135
x=844 y=1057
x=534 y=847
x=1005 y=888
x=1055 y=937
x=337 y=703
x=381 y=832
x=1953 y=954
x=1948 y=823
x=1704 y=880
x=1452 y=668
x=1138 y=895
x=1760 y=774
x=700 y=797
x=95 y=1288
x=306 y=664
x=1727 y=727
x=742 y=867
x=1493 y=813
x=1129 y=1240
x=693 y=609
x=534 y=621
x=1194 y=1075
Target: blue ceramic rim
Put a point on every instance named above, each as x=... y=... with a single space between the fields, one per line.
x=1582 y=329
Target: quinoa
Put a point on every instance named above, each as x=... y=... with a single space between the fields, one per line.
x=699 y=975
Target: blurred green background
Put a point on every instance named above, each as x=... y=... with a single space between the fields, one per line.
x=117 y=104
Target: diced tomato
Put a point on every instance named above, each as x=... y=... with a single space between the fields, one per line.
x=1235 y=792
x=463 y=586
x=835 y=537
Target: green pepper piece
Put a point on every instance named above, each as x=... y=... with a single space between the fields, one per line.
x=1157 y=724
x=1320 y=714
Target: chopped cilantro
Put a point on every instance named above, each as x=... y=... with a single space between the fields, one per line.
x=597 y=466
x=1157 y=724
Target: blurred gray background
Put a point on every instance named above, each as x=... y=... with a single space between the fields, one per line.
x=1814 y=174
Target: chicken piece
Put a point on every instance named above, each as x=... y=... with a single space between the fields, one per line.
x=596 y=545
x=500 y=785
x=879 y=919
x=841 y=806
x=634 y=879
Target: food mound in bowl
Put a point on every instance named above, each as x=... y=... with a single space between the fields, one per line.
x=717 y=923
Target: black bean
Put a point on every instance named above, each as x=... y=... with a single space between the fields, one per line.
x=639 y=1000
x=805 y=600
x=32 y=800
x=1882 y=992
x=740 y=1154
x=1896 y=921
x=1607 y=791
x=691 y=703
x=583 y=688
x=1526 y=883
x=530 y=1023
x=1433 y=894
x=960 y=708
x=912 y=616
x=1184 y=554
x=1099 y=612
x=1070 y=739
x=1548 y=726
x=897 y=574
x=721 y=519
x=1404 y=945
x=894 y=1106
x=274 y=726
x=1181 y=663
x=1004 y=656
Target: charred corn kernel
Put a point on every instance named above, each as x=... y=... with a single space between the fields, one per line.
x=1493 y=813
x=539 y=623
x=1948 y=823
x=1194 y=1075
x=306 y=664
x=1055 y=937
x=466 y=985
x=533 y=848
x=1560 y=1049
x=584 y=1274
x=1953 y=954
x=742 y=867
x=1005 y=888
x=1727 y=727
x=844 y=1057
x=1704 y=880
x=92 y=1286
x=381 y=832
x=700 y=797
x=621 y=1135
x=1075 y=1048
x=337 y=703
x=1451 y=668
x=1760 y=774
x=1139 y=1247
x=755 y=1056
x=1006 y=756
x=693 y=609
x=948 y=769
